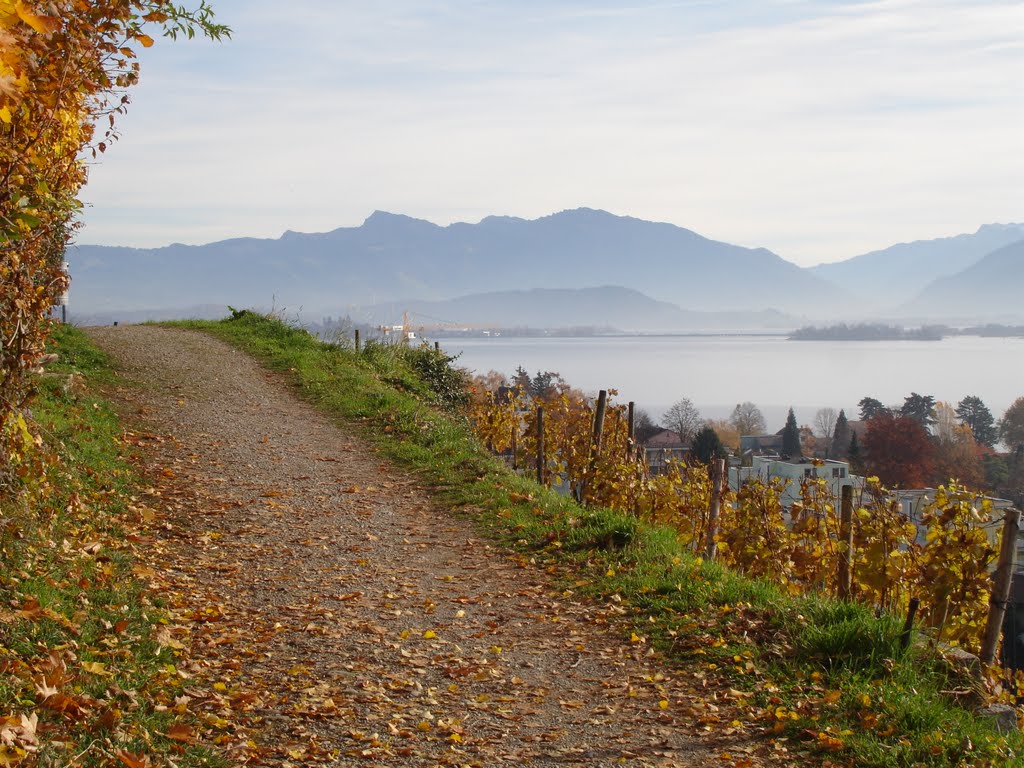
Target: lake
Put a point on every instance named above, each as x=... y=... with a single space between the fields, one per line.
x=716 y=372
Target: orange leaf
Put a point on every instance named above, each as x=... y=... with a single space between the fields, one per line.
x=146 y=40
x=44 y=25
x=179 y=732
x=132 y=760
x=60 y=702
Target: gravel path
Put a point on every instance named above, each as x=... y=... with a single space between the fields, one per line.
x=336 y=615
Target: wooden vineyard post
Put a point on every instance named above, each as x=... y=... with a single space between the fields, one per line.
x=717 y=477
x=437 y=346
x=357 y=339
x=1001 y=586
x=846 y=541
x=908 y=625
x=595 y=441
x=630 y=428
x=540 y=444
x=515 y=445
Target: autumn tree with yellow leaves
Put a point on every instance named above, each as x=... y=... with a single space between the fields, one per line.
x=65 y=69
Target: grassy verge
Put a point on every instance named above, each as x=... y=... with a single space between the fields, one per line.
x=826 y=682
x=84 y=679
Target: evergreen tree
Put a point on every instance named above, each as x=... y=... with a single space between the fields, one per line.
x=870 y=407
x=521 y=380
x=855 y=455
x=541 y=384
x=921 y=408
x=707 y=445
x=973 y=413
x=1011 y=426
x=791 y=436
x=841 y=437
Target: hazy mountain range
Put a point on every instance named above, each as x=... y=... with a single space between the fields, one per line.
x=603 y=308
x=897 y=275
x=639 y=275
x=989 y=288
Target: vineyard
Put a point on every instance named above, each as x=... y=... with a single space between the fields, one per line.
x=879 y=557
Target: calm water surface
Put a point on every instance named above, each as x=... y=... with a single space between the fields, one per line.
x=716 y=372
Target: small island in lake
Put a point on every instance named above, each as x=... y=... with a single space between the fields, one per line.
x=869 y=332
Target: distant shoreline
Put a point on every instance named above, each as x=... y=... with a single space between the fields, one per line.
x=878 y=332
x=520 y=333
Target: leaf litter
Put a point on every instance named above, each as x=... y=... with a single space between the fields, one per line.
x=327 y=611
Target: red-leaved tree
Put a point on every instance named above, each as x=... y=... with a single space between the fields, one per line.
x=899 y=451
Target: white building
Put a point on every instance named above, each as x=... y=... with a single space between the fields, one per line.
x=765 y=468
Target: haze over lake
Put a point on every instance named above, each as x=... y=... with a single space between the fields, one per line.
x=716 y=372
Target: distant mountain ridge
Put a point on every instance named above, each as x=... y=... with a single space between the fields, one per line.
x=990 y=289
x=891 y=277
x=392 y=257
x=604 y=308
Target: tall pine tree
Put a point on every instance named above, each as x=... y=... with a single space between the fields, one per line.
x=840 y=437
x=791 y=437
x=707 y=445
x=973 y=412
x=855 y=455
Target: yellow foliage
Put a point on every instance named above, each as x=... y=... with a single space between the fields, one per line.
x=63 y=67
x=945 y=562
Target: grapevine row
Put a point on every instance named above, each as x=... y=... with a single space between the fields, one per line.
x=944 y=560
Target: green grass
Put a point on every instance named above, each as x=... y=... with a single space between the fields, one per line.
x=856 y=698
x=68 y=596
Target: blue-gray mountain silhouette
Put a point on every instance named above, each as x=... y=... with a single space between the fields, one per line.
x=603 y=308
x=395 y=258
x=890 y=277
x=990 y=289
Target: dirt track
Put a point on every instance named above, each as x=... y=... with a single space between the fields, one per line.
x=336 y=615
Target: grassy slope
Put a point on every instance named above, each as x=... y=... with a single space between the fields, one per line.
x=77 y=629
x=827 y=681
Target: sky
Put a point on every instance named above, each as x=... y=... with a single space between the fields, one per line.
x=819 y=129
